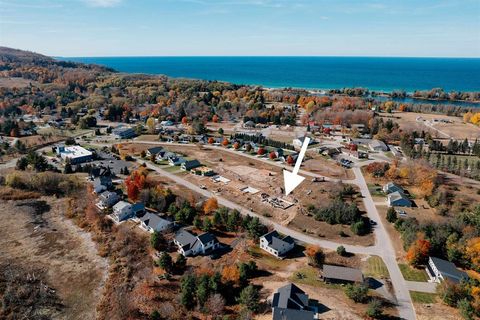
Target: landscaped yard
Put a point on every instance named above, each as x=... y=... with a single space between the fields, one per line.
x=261 y=257
x=375 y=190
x=307 y=275
x=423 y=297
x=376 y=268
x=411 y=274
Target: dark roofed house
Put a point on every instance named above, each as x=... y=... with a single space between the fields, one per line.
x=275 y=244
x=392 y=187
x=190 y=245
x=337 y=274
x=398 y=199
x=291 y=303
x=439 y=269
x=191 y=164
x=153 y=151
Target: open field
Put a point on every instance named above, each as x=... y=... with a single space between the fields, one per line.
x=375 y=267
x=456 y=129
x=36 y=237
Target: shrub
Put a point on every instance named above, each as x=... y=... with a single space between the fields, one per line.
x=341 y=251
x=357 y=292
x=338 y=212
x=391 y=215
x=374 y=309
x=360 y=227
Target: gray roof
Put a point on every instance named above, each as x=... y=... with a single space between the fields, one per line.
x=342 y=273
x=291 y=303
x=153 y=221
x=378 y=143
x=185 y=239
x=448 y=270
x=397 y=195
x=275 y=241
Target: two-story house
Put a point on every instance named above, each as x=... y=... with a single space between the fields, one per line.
x=275 y=244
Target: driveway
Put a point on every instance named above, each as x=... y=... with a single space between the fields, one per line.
x=428 y=287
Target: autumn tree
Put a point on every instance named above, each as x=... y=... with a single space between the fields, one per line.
x=211 y=140
x=225 y=142
x=236 y=145
x=315 y=255
x=418 y=252
x=134 y=184
x=210 y=205
x=231 y=274
x=472 y=251
x=184 y=120
x=150 y=125
x=261 y=151
x=272 y=155
x=290 y=160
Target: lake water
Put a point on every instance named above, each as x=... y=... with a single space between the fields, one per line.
x=380 y=74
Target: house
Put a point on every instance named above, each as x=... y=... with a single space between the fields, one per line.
x=275 y=244
x=107 y=199
x=123 y=132
x=377 y=145
x=124 y=210
x=391 y=188
x=329 y=152
x=99 y=171
x=398 y=199
x=203 y=171
x=337 y=274
x=190 y=245
x=164 y=155
x=166 y=123
x=101 y=184
x=298 y=142
x=360 y=127
x=153 y=151
x=74 y=154
x=176 y=161
x=249 y=124
x=152 y=222
x=191 y=164
x=292 y=303
x=439 y=270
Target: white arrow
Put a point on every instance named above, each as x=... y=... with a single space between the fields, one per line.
x=292 y=179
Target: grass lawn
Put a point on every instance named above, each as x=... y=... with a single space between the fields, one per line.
x=411 y=274
x=261 y=257
x=375 y=190
x=376 y=268
x=423 y=297
x=172 y=169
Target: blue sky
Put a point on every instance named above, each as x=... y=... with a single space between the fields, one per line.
x=441 y=28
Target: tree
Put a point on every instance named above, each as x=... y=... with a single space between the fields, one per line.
x=391 y=215
x=184 y=120
x=225 y=142
x=188 y=289
x=156 y=240
x=215 y=118
x=341 y=251
x=451 y=293
x=249 y=298
x=236 y=145
x=165 y=262
x=360 y=227
x=203 y=289
x=180 y=263
x=418 y=252
x=374 y=309
x=357 y=292
x=466 y=309
x=155 y=315
x=272 y=155
x=315 y=255
x=22 y=164
x=231 y=274
x=220 y=131
x=150 y=125
x=210 y=205
x=290 y=160
x=261 y=151
x=215 y=305
x=135 y=183
x=211 y=140
x=207 y=225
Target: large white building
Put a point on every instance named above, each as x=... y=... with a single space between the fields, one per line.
x=75 y=154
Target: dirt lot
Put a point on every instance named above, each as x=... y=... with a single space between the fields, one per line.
x=436 y=311
x=457 y=129
x=34 y=235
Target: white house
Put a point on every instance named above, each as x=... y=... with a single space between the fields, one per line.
x=107 y=199
x=124 y=210
x=151 y=222
x=190 y=245
x=276 y=245
x=377 y=145
x=439 y=270
x=298 y=142
x=391 y=188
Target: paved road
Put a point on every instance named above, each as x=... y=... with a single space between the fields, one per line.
x=387 y=252
x=428 y=287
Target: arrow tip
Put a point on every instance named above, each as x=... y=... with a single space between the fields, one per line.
x=291 y=181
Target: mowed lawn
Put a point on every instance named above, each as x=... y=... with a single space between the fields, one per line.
x=376 y=268
x=423 y=297
x=412 y=274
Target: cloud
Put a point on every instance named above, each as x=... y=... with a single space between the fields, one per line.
x=103 y=3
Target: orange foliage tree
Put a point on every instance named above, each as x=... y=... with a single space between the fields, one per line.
x=210 y=205
x=418 y=252
x=472 y=251
x=236 y=145
x=184 y=120
x=290 y=160
x=231 y=274
x=272 y=155
x=225 y=142
x=211 y=140
x=135 y=183
x=261 y=151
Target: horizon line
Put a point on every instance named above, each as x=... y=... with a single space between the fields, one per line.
x=265 y=56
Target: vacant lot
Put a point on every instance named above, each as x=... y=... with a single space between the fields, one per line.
x=36 y=237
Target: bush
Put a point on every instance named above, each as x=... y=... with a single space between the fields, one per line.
x=357 y=292
x=361 y=227
x=374 y=309
x=391 y=215
x=341 y=251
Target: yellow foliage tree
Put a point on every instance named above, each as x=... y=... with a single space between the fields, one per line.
x=210 y=205
x=472 y=251
x=151 y=125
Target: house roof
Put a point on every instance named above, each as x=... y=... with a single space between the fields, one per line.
x=378 y=143
x=155 y=150
x=397 y=195
x=342 y=273
x=448 y=270
x=152 y=220
x=205 y=238
x=290 y=297
x=190 y=164
x=392 y=185
x=275 y=241
x=292 y=314
x=121 y=205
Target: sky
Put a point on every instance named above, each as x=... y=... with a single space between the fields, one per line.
x=74 y=28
